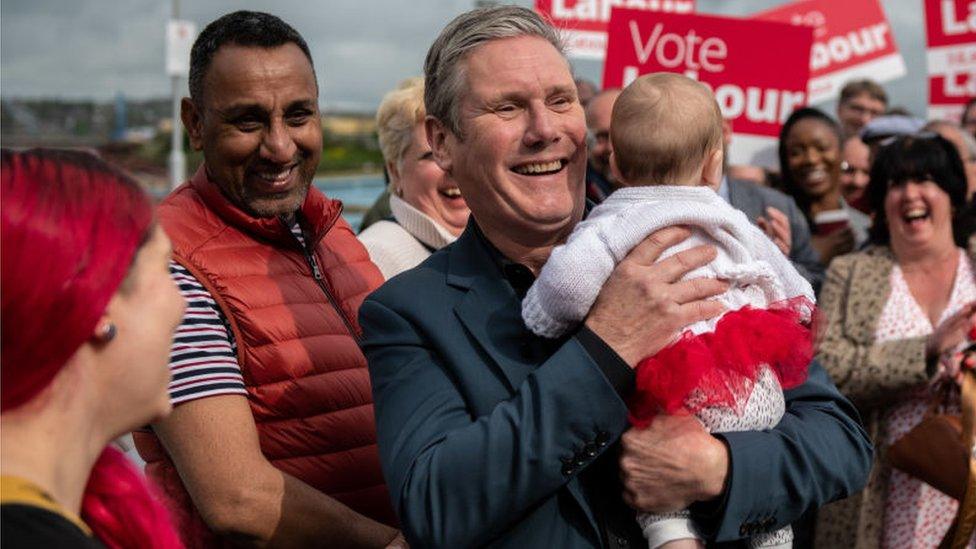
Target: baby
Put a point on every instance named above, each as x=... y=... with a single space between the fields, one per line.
x=730 y=372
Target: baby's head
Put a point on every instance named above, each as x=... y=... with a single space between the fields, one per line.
x=666 y=129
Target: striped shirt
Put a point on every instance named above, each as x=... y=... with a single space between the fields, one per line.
x=203 y=358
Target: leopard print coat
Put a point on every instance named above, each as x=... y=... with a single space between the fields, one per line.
x=871 y=374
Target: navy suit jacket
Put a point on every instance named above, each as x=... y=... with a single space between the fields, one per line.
x=482 y=441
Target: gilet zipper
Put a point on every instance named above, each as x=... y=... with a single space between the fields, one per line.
x=320 y=280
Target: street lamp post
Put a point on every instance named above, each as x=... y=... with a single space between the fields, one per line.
x=177 y=160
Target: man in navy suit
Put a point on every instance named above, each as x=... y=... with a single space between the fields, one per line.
x=489 y=435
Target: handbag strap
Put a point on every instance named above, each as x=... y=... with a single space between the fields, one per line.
x=968 y=406
x=965 y=523
x=941 y=396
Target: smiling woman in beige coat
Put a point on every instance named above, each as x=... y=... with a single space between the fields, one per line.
x=428 y=210
x=894 y=314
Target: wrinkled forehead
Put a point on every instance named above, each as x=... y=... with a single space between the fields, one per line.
x=514 y=64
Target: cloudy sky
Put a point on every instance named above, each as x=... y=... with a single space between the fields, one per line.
x=361 y=48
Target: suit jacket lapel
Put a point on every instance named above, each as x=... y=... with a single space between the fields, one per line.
x=742 y=199
x=486 y=310
x=488 y=315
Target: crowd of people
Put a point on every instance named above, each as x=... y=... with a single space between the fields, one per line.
x=568 y=323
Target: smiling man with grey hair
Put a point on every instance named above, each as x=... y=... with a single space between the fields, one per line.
x=444 y=69
x=490 y=435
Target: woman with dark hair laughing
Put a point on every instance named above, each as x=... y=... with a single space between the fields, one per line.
x=896 y=316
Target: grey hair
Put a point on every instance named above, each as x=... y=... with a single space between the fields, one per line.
x=443 y=71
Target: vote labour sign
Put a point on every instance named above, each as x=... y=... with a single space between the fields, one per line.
x=951 y=39
x=758 y=69
x=583 y=23
x=852 y=39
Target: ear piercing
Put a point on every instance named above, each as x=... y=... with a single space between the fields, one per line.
x=107 y=332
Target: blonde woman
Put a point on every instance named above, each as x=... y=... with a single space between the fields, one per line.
x=428 y=210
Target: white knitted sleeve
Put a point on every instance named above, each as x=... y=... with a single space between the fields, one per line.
x=569 y=282
x=575 y=272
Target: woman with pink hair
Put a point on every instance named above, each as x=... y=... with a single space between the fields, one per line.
x=88 y=313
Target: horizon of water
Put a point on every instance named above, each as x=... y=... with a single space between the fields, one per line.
x=357 y=193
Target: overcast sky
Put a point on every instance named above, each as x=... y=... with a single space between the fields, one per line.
x=361 y=48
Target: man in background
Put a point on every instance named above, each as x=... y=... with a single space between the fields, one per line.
x=599 y=180
x=585 y=90
x=855 y=172
x=860 y=102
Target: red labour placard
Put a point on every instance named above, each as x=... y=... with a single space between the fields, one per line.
x=950 y=27
x=852 y=39
x=583 y=23
x=757 y=69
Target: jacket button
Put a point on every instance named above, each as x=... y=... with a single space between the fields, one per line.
x=568 y=470
x=591 y=450
x=602 y=439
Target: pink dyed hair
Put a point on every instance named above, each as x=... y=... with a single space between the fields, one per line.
x=71 y=227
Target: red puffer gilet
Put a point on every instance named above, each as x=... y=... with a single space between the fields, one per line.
x=293 y=317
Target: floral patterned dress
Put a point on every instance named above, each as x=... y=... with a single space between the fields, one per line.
x=916 y=515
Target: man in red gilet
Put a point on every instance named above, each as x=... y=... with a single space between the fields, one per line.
x=272 y=440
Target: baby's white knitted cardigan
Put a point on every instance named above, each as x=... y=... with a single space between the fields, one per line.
x=758 y=272
x=576 y=271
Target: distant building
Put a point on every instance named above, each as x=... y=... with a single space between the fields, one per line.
x=349 y=126
x=75 y=123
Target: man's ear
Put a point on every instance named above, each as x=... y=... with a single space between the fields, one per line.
x=712 y=169
x=437 y=137
x=193 y=122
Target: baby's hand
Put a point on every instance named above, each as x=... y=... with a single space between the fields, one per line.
x=688 y=543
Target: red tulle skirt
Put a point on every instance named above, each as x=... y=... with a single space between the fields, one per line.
x=720 y=368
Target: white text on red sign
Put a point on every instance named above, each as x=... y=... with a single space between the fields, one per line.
x=842 y=48
x=599 y=10
x=954 y=27
x=682 y=53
